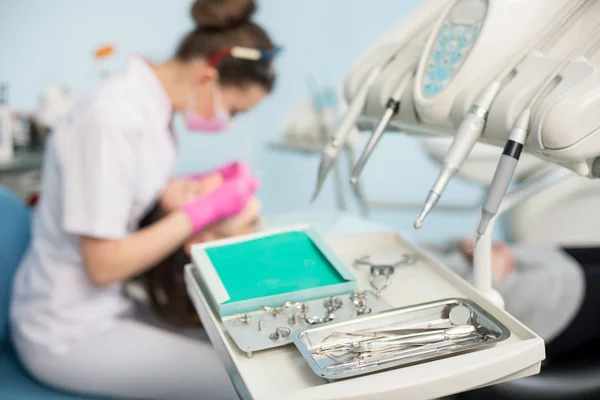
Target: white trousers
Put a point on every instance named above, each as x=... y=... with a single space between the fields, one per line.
x=132 y=360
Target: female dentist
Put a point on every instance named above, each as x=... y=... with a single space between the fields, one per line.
x=105 y=167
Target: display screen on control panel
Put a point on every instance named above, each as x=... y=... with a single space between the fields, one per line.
x=452 y=45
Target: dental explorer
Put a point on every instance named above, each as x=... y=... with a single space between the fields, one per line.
x=473 y=124
x=516 y=140
x=392 y=108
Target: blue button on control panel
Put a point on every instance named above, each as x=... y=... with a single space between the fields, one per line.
x=453 y=44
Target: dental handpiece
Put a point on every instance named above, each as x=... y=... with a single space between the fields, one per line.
x=342 y=131
x=467 y=135
x=514 y=145
x=504 y=171
x=391 y=109
x=472 y=126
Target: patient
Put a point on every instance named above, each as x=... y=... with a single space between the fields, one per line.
x=554 y=291
x=164 y=284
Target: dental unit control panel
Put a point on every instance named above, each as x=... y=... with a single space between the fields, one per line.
x=483 y=71
x=452 y=46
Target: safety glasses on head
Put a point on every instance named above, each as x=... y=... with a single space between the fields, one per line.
x=243 y=53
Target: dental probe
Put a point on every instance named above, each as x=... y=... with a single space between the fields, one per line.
x=472 y=126
x=392 y=108
x=514 y=145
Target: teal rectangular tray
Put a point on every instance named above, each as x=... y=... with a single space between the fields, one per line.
x=270 y=268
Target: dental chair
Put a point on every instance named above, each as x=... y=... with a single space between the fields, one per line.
x=15 y=382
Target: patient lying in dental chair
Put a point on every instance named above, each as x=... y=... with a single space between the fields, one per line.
x=164 y=284
x=554 y=291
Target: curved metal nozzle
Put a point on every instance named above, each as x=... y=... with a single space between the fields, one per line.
x=371 y=144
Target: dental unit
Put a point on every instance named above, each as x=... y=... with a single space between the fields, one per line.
x=471 y=128
x=512 y=150
x=473 y=76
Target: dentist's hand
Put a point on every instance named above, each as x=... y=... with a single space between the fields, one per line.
x=229 y=171
x=240 y=224
x=182 y=191
x=226 y=201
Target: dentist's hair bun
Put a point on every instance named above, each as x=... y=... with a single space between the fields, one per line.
x=222 y=14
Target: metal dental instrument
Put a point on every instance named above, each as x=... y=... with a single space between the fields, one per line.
x=337 y=142
x=319 y=320
x=280 y=333
x=244 y=318
x=514 y=145
x=294 y=319
x=400 y=337
x=275 y=311
x=414 y=340
x=380 y=271
x=460 y=315
x=331 y=304
x=460 y=318
x=359 y=299
x=473 y=124
x=385 y=340
x=402 y=354
x=383 y=270
x=392 y=108
x=407 y=259
x=338 y=139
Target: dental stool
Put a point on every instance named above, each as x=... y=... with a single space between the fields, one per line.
x=15 y=383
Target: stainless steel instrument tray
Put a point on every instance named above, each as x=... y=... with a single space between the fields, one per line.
x=424 y=316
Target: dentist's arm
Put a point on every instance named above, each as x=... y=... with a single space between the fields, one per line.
x=110 y=261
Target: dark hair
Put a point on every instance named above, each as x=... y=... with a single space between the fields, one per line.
x=165 y=285
x=223 y=24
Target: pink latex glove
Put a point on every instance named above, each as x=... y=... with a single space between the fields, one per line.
x=226 y=201
x=227 y=172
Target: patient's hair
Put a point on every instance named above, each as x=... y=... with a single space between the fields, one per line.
x=165 y=285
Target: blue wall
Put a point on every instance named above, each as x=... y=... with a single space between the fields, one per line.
x=50 y=42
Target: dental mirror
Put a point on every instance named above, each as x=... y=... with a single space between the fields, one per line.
x=460 y=315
